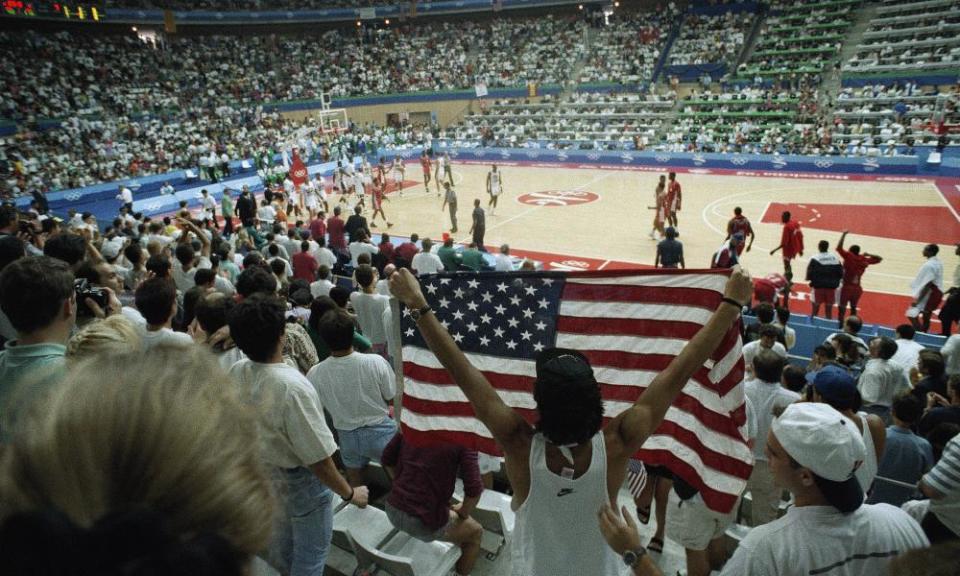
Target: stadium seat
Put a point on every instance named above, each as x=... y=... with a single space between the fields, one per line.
x=403 y=555
x=369 y=524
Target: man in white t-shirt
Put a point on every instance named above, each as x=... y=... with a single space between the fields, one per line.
x=323 y=255
x=882 y=380
x=356 y=389
x=322 y=285
x=766 y=395
x=361 y=245
x=908 y=350
x=156 y=300
x=425 y=261
x=813 y=451
x=126 y=198
x=767 y=341
x=369 y=308
x=209 y=205
x=504 y=263
x=187 y=261
x=294 y=437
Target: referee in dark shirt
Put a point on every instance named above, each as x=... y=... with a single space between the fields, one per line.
x=670 y=251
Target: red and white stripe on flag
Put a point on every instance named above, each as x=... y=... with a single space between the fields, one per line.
x=630 y=324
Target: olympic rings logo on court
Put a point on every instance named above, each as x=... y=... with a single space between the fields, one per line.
x=558 y=198
x=593 y=156
x=823 y=163
x=73 y=196
x=699 y=159
x=504 y=154
x=662 y=158
x=739 y=161
x=532 y=154
x=626 y=157
x=479 y=153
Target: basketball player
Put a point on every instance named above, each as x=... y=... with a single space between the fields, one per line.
x=739 y=223
x=494 y=187
x=674 y=198
x=367 y=170
x=399 y=170
x=425 y=165
x=377 y=197
x=854 y=265
x=791 y=241
x=659 y=208
x=359 y=189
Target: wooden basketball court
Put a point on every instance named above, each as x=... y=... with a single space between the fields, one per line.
x=593 y=218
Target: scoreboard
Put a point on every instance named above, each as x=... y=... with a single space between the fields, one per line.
x=51 y=10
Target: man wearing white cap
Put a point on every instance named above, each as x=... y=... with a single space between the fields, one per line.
x=813 y=451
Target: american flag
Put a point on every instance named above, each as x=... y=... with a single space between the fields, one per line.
x=630 y=324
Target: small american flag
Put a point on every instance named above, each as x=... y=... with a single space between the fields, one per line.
x=630 y=324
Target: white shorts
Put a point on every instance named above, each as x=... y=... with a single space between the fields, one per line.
x=398 y=178
x=495 y=190
x=367 y=179
x=692 y=525
x=312 y=201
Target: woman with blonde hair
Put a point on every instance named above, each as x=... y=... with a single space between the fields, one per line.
x=112 y=335
x=136 y=464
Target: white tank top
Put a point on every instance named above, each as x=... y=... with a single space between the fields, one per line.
x=494 y=179
x=868 y=470
x=556 y=531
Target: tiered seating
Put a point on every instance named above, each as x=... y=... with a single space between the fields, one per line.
x=748 y=120
x=801 y=37
x=870 y=117
x=243 y=5
x=627 y=50
x=515 y=52
x=585 y=120
x=919 y=35
x=706 y=39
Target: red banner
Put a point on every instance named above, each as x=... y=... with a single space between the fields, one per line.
x=298 y=171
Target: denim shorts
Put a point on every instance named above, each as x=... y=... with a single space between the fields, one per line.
x=413 y=526
x=361 y=445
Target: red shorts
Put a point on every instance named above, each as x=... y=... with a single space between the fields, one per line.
x=824 y=295
x=850 y=294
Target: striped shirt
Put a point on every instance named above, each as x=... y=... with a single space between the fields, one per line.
x=945 y=479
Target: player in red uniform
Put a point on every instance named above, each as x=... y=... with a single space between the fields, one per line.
x=377 y=198
x=739 y=223
x=425 y=164
x=854 y=265
x=674 y=198
x=791 y=242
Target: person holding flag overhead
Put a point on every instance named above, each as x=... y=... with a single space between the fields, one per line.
x=568 y=463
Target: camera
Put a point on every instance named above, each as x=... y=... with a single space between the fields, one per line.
x=84 y=290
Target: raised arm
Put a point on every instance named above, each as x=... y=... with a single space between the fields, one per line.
x=842 y=238
x=503 y=422
x=637 y=423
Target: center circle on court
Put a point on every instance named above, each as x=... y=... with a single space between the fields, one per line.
x=558 y=198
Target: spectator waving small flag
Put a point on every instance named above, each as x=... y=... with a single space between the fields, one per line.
x=630 y=324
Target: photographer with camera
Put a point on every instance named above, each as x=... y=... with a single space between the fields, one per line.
x=101 y=283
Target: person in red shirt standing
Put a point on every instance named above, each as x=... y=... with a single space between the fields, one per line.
x=425 y=165
x=791 y=242
x=854 y=265
x=304 y=264
x=377 y=197
x=337 y=233
x=740 y=224
x=403 y=255
x=318 y=226
x=674 y=198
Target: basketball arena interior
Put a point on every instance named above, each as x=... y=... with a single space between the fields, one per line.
x=587 y=134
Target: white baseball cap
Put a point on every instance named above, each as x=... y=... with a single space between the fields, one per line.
x=823 y=440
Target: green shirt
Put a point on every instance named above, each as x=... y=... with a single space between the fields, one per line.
x=472 y=259
x=360 y=343
x=449 y=257
x=226 y=206
x=18 y=365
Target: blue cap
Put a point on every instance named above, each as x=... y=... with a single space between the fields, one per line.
x=837 y=387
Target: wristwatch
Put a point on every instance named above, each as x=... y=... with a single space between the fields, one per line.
x=417 y=313
x=631 y=557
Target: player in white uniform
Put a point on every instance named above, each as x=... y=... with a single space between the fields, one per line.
x=494 y=187
x=359 y=189
x=367 y=170
x=399 y=170
x=441 y=169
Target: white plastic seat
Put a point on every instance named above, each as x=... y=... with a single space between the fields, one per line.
x=369 y=524
x=404 y=555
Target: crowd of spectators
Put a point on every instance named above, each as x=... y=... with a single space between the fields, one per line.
x=909 y=35
x=244 y=5
x=628 y=47
x=708 y=39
